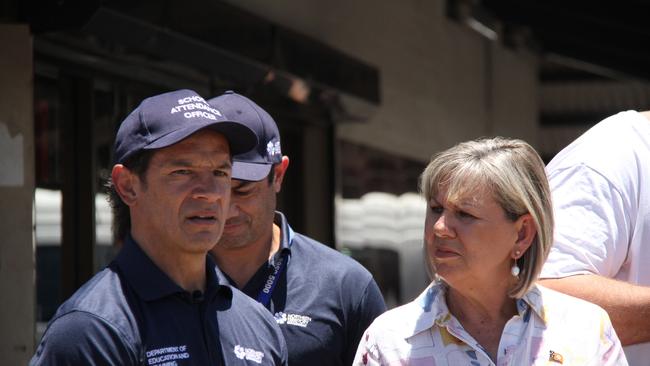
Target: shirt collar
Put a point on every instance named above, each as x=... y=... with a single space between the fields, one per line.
x=431 y=308
x=422 y=313
x=286 y=236
x=533 y=300
x=149 y=281
x=216 y=278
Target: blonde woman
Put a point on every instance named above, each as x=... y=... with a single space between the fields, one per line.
x=488 y=230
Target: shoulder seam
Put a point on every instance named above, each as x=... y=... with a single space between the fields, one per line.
x=130 y=340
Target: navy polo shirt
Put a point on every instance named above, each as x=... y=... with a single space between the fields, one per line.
x=132 y=313
x=323 y=300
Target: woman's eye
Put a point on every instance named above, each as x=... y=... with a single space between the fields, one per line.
x=463 y=214
x=436 y=209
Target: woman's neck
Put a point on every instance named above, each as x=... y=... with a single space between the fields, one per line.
x=483 y=314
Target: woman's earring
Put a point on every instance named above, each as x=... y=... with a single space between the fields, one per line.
x=515 y=270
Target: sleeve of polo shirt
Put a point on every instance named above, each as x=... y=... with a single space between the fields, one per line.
x=370 y=306
x=591 y=225
x=80 y=338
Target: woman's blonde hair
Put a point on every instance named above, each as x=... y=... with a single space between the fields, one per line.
x=513 y=171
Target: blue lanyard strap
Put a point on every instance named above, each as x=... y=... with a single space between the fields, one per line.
x=264 y=297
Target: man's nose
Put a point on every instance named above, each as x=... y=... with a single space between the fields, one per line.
x=209 y=187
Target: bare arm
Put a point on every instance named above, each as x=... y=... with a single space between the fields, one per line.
x=628 y=305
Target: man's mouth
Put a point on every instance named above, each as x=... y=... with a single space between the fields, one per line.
x=235 y=221
x=203 y=219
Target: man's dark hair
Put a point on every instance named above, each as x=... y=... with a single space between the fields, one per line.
x=271 y=175
x=138 y=164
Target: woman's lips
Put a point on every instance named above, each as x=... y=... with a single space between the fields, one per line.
x=445 y=253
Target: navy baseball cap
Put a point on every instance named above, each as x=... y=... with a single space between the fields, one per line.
x=168 y=118
x=256 y=164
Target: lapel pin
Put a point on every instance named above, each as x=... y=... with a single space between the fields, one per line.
x=555 y=357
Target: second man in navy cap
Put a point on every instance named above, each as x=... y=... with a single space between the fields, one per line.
x=322 y=299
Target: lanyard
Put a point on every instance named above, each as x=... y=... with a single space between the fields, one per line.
x=264 y=297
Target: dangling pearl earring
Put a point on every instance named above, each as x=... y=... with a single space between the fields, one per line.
x=515 y=270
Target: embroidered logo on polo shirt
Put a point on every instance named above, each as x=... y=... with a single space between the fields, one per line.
x=167 y=356
x=292 y=319
x=248 y=354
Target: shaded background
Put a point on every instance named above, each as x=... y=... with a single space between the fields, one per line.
x=364 y=92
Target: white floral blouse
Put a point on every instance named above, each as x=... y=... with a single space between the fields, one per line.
x=550 y=329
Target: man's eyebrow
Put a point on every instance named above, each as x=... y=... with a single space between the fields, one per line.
x=179 y=162
x=186 y=163
x=226 y=165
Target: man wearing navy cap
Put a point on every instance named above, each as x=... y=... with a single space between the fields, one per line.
x=322 y=299
x=161 y=302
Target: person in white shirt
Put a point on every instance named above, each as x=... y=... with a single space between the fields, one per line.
x=488 y=230
x=600 y=186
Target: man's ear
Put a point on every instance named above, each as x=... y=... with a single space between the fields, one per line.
x=525 y=234
x=125 y=183
x=280 y=170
